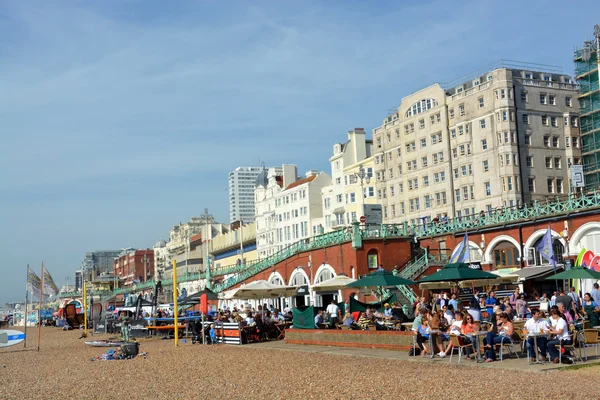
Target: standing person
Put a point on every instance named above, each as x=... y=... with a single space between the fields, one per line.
x=575 y=297
x=566 y=301
x=124 y=318
x=453 y=301
x=590 y=310
x=514 y=297
x=490 y=302
x=333 y=310
x=521 y=306
x=596 y=293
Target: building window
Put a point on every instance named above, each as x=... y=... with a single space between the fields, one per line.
x=510 y=183
x=461 y=109
x=484 y=145
x=465 y=193
x=423 y=143
x=553 y=121
x=568 y=101
x=557 y=163
x=451 y=113
x=486 y=166
x=453 y=133
x=555 y=142
x=457 y=194
x=482 y=123
x=531 y=185
x=524 y=96
x=559 y=185
x=481 y=102
x=424 y=161
x=550 y=185
x=528 y=140
x=543 y=99
x=488 y=189
x=552 y=99
x=546 y=141
x=504 y=115
x=548 y=162
x=529 y=161
x=545 y=120
x=426 y=180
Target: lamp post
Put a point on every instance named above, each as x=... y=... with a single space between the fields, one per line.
x=364 y=176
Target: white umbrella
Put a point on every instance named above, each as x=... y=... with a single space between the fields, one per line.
x=263 y=290
x=337 y=283
x=507 y=279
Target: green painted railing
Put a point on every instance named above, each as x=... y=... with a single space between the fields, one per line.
x=387 y=231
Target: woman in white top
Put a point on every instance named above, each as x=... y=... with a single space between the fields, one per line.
x=561 y=330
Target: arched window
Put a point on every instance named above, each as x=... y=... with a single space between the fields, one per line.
x=421 y=106
x=299 y=280
x=535 y=258
x=276 y=280
x=324 y=275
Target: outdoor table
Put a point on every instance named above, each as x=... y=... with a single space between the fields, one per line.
x=475 y=339
x=431 y=333
x=535 y=335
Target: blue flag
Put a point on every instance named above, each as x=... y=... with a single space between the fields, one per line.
x=462 y=252
x=545 y=248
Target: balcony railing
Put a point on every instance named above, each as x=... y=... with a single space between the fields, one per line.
x=496 y=217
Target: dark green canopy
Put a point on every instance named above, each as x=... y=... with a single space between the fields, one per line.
x=576 y=273
x=380 y=279
x=458 y=272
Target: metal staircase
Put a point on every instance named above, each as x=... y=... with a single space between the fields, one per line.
x=407 y=296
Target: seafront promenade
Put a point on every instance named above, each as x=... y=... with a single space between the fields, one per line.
x=64 y=369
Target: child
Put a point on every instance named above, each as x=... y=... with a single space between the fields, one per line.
x=213 y=334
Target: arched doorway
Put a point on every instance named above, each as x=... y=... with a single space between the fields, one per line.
x=300 y=280
x=325 y=273
x=534 y=258
x=276 y=279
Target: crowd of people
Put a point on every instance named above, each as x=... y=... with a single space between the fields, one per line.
x=444 y=315
x=332 y=318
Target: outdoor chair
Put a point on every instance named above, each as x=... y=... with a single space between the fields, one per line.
x=508 y=344
x=591 y=338
x=571 y=347
x=460 y=347
x=520 y=338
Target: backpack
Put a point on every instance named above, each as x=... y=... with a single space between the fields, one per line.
x=130 y=349
x=414 y=351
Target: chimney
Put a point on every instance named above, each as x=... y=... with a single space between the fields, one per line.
x=290 y=174
x=311 y=172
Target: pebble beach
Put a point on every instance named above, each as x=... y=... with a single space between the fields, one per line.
x=63 y=368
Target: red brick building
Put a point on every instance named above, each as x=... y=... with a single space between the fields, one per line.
x=134 y=267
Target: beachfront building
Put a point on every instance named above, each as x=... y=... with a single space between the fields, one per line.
x=97 y=262
x=238 y=246
x=288 y=209
x=500 y=139
x=133 y=266
x=341 y=200
x=268 y=184
x=242 y=181
x=587 y=65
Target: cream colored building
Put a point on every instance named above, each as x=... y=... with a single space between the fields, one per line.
x=342 y=201
x=501 y=139
x=288 y=208
x=236 y=246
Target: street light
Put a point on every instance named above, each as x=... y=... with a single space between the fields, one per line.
x=364 y=176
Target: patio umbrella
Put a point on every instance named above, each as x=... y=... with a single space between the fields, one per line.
x=458 y=272
x=337 y=283
x=580 y=273
x=263 y=290
x=380 y=279
x=195 y=298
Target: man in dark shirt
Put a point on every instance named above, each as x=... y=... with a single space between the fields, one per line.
x=567 y=301
x=398 y=313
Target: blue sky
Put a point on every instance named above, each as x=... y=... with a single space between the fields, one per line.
x=118 y=119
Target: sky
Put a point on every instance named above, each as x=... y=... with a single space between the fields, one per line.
x=119 y=119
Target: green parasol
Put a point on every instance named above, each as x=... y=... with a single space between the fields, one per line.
x=576 y=273
x=458 y=272
x=380 y=279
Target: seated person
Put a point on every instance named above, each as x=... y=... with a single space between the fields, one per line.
x=348 y=320
x=455 y=330
x=387 y=312
x=364 y=321
x=448 y=311
x=249 y=320
x=422 y=333
x=536 y=324
x=319 y=319
x=561 y=331
x=499 y=333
